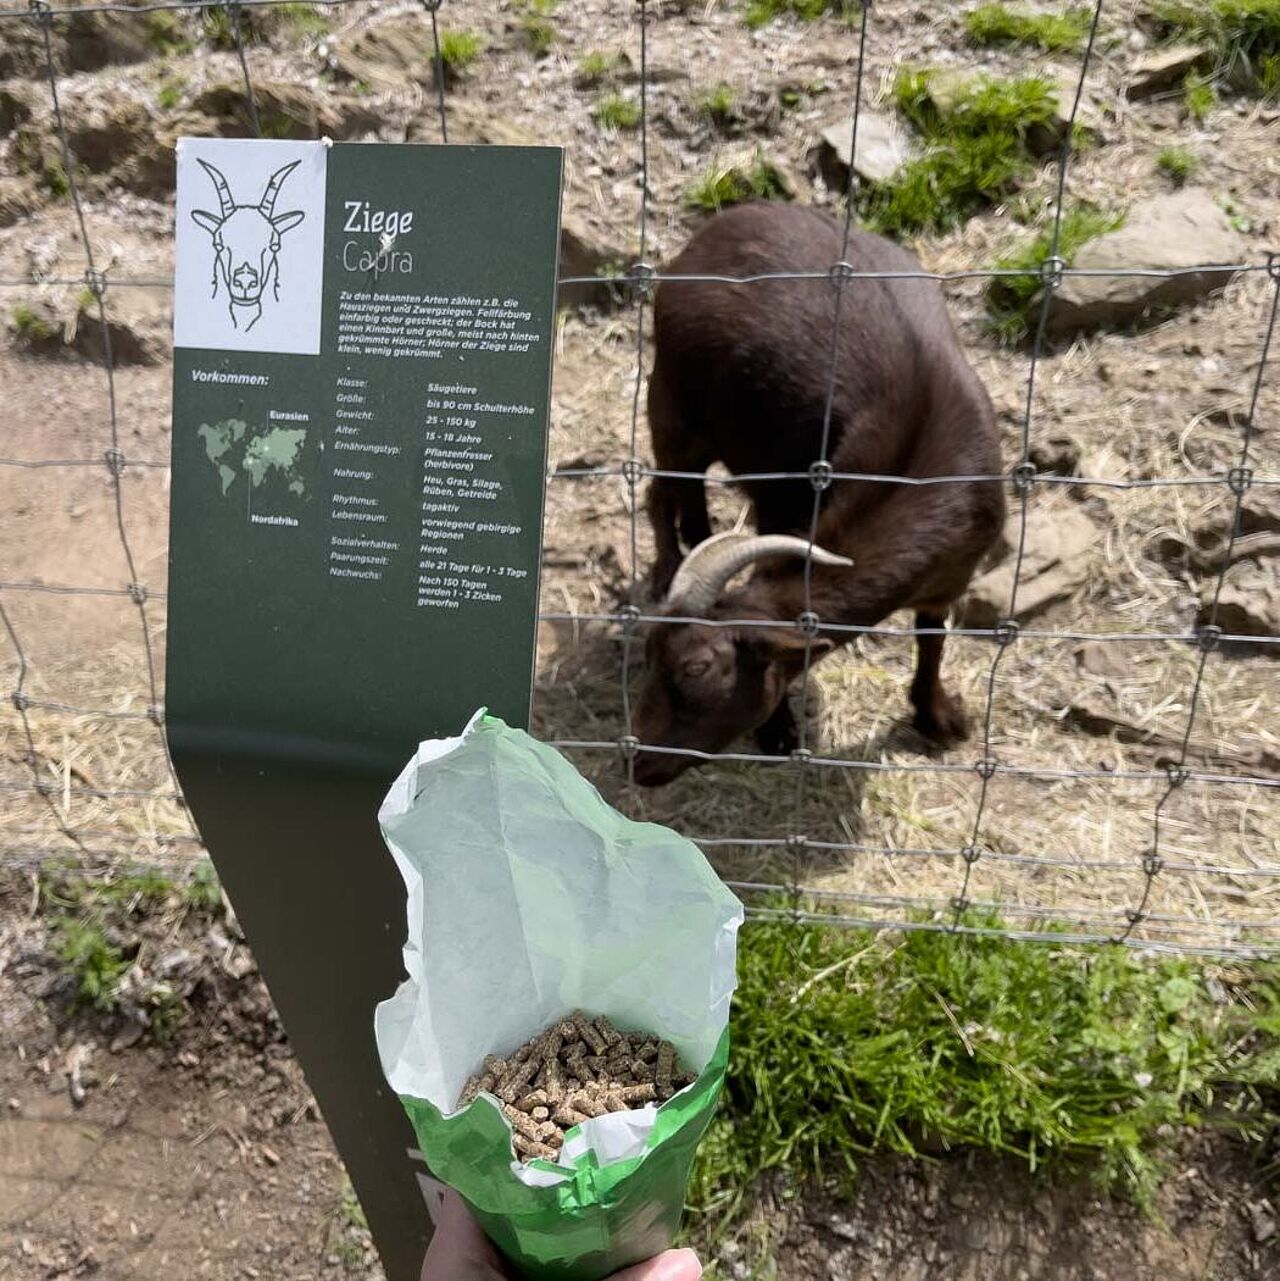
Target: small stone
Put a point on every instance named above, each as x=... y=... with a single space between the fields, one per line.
x=1055 y=563
x=1249 y=604
x=1262 y=1221
x=1165 y=68
x=18 y=200
x=1057 y=456
x=883 y=149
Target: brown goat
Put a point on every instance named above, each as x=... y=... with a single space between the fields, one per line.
x=741 y=376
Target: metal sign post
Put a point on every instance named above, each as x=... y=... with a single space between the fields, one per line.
x=363 y=339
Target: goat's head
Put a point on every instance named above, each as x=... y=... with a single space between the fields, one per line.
x=706 y=683
x=246 y=238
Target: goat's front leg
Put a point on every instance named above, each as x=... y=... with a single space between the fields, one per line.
x=662 y=504
x=940 y=716
x=779 y=735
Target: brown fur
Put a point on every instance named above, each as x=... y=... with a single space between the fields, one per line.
x=740 y=376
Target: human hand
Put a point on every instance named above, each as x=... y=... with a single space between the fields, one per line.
x=460 y=1251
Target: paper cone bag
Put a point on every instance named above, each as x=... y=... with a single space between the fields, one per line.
x=530 y=897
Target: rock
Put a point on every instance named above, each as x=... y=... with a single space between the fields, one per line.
x=586 y=251
x=396 y=53
x=17 y=201
x=139 y=322
x=115 y=142
x=35 y=326
x=86 y=42
x=882 y=150
x=1164 y=68
x=1249 y=604
x=1104 y=660
x=1259 y=514
x=1057 y=456
x=1258 y=535
x=285 y=110
x=1262 y=1220
x=127 y=1037
x=123 y=142
x=1173 y=232
x=472 y=123
x=585 y=248
x=15 y=108
x=1054 y=564
x=654 y=74
x=1100 y=714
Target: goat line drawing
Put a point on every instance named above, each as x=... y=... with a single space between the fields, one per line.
x=246 y=244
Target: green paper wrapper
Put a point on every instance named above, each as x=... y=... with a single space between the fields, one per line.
x=529 y=897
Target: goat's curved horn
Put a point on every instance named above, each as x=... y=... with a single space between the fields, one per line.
x=714 y=561
x=225 y=198
x=273 y=187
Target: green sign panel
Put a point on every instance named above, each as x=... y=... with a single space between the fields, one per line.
x=363 y=339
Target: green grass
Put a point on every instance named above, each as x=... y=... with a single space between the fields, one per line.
x=999 y=24
x=303 y=20
x=1235 y=215
x=350 y=1211
x=718 y=104
x=1012 y=301
x=1244 y=34
x=734 y=184
x=169 y=95
x=459 y=49
x=616 y=112
x=165 y=34
x=1177 y=164
x=94 y=964
x=87 y=915
x=760 y=12
x=1199 y=96
x=218 y=30
x=597 y=67
x=30 y=327
x=203 y=892
x=976 y=152
x=845 y=1045
x=536 y=25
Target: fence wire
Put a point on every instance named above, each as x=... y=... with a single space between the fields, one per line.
x=104 y=844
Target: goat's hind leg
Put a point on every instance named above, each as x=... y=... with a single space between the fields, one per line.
x=940 y=716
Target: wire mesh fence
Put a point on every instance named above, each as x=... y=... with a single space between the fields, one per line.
x=776 y=878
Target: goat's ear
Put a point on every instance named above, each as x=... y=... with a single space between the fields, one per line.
x=787 y=645
x=210 y=222
x=283 y=222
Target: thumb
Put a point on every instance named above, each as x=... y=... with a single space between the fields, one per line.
x=673 y=1265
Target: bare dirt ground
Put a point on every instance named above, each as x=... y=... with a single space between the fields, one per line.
x=1164 y=402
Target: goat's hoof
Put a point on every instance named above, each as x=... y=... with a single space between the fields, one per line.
x=942 y=720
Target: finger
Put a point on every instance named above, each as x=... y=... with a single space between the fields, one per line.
x=674 y=1265
x=459 y=1248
